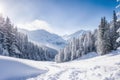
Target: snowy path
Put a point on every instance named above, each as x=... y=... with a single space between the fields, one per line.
x=99 y=68
x=97 y=73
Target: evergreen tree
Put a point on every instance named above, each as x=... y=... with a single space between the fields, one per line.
x=113 y=31
x=118 y=31
x=103 y=43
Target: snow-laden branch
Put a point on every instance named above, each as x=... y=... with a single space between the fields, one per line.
x=118 y=40
x=118 y=14
x=118 y=30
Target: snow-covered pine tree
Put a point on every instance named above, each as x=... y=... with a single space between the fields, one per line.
x=73 y=51
x=81 y=49
x=118 y=39
x=103 y=43
x=66 y=55
x=113 y=32
x=1 y=34
x=60 y=56
x=88 y=42
x=95 y=34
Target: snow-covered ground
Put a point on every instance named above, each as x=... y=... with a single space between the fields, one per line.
x=89 y=67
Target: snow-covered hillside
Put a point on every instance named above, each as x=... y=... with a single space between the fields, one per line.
x=74 y=35
x=46 y=38
x=98 y=68
x=88 y=67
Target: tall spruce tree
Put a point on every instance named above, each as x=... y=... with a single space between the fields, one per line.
x=113 y=32
x=103 y=43
x=118 y=31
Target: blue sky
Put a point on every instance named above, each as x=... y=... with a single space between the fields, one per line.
x=58 y=16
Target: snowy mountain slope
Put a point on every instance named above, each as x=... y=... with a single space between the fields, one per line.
x=88 y=67
x=15 y=69
x=45 y=38
x=74 y=35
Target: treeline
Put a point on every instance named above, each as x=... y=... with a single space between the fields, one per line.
x=16 y=44
x=102 y=41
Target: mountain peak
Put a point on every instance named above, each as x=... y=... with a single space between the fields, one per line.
x=75 y=34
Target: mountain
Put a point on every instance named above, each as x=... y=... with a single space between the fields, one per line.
x=74 y=35
x=46 y=38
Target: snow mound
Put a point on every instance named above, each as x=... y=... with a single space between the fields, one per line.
x=14 y=69
x=88 y=56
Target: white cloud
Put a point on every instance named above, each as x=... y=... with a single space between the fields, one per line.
x=35 y=25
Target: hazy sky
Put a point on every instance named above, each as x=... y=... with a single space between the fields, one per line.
x=57 y=16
